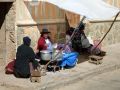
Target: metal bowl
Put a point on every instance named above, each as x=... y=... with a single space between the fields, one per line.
x=58 y=57
x=45 y=55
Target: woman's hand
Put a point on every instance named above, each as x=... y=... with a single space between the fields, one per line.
x=46 y=45
x=36 y=51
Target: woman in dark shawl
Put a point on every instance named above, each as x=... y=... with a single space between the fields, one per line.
x=25 y=55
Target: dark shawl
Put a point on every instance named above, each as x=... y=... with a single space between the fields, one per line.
x=24 y=56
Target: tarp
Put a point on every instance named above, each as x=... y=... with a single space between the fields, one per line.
x=92 y=9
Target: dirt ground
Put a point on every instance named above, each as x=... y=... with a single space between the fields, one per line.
x=106 y=81
x=9 y=82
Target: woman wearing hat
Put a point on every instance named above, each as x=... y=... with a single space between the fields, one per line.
x=44 y=42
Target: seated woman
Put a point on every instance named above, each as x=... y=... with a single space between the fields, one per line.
x=68 y=47
x=70 y=57
x=44 y=42
x=81 y=43
x=24 y=56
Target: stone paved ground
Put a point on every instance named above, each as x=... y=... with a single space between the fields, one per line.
x=65 y=77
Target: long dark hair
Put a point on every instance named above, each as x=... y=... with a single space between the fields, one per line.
x=70 y=31
x=82 y=27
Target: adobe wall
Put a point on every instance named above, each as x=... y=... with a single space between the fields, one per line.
x=11 y=33
x=97 y=31
x=7 y=32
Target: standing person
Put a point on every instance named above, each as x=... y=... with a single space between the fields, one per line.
x=44 y=42
x=24 y=56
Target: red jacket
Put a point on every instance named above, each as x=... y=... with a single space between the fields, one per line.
x=41 y=44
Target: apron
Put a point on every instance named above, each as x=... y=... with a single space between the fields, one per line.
x=50 y=47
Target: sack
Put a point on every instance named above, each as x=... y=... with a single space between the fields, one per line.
x=9 y=69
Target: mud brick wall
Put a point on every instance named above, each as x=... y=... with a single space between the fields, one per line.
x=95 y=30
x=31 y=31
x=98 y=30
x=10 y=33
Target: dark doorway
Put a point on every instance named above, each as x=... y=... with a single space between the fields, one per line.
x=4 y=9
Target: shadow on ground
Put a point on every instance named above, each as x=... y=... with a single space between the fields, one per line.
x=83 y=57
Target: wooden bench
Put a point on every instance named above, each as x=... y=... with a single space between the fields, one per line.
x=95 y=59
x=35 y=76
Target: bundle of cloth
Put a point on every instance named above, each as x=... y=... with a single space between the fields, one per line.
x=69 y=60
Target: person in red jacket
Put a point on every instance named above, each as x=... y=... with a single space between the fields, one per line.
x=44 y=42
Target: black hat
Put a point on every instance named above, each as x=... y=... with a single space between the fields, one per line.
x=44 y=31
